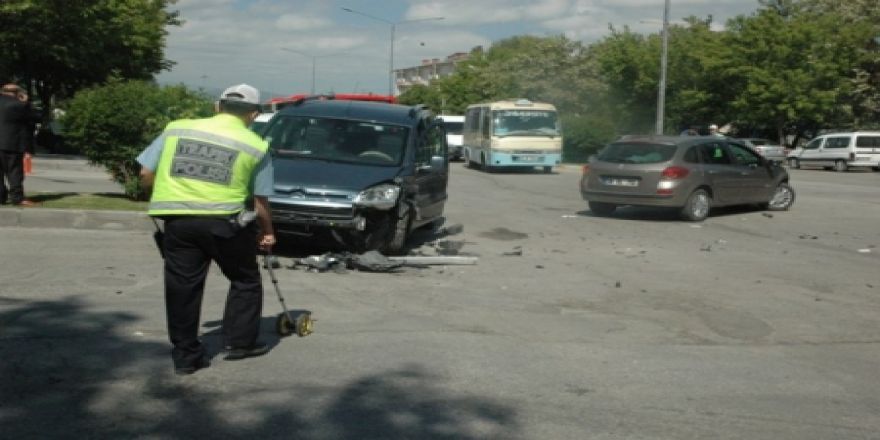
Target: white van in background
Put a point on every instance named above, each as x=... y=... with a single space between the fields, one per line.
x=840 y=151
x=454 y=125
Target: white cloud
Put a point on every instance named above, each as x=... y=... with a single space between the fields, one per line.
x=487 y=11
x=295 y=22
x=224 y=42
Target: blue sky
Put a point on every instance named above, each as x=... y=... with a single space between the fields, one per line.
x=271 y=44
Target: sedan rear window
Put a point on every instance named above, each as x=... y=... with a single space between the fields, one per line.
x=637 y=153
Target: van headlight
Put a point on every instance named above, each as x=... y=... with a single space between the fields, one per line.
x=378 y=197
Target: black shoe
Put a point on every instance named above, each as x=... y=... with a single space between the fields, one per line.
x=190 y=369
x=257 y=349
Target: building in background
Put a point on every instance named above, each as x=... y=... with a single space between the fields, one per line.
x=428 y=71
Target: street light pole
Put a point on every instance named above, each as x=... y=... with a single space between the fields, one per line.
x=661 y=92
x=393 y=25
x=314 y=61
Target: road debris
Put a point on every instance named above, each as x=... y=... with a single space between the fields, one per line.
x=516 y=252
x=865 y=251
x=448 y=247
x=453 y=229
x=767 y=214
x=807 y=236
x=374 y=261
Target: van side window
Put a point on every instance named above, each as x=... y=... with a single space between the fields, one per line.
x=433 y=143
x=813 y=144
x=868 y=141
x=837 y=142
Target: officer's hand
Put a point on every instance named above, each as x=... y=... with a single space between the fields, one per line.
x=266 y=242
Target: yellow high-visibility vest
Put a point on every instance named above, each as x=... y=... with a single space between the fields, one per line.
x=205 y=167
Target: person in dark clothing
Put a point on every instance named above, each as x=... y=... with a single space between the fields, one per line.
x=16 y=141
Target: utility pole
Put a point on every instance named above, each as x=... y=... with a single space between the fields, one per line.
x=661 y=92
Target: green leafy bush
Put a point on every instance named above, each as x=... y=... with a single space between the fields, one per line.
x=585 y=135
x=112 y=124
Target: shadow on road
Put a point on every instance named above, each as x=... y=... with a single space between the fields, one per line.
x=71 y=372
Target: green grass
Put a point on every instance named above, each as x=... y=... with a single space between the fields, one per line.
x=99 y=201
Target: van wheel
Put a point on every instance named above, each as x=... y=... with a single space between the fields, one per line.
x=696 y=209
x=794 y=163
x=840 y=166
x=602 y=209
x=398 y=233
x=548 y=170
x=782 y=199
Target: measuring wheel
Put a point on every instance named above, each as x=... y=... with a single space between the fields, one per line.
x=302 y=325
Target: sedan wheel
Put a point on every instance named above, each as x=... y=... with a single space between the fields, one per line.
x=782 y=199
x=696 y=209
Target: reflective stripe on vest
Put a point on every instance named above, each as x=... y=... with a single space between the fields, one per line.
x=223 y=140
x=196 y=206
x=206 y=167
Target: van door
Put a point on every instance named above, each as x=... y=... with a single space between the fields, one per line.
x=431 y=182
x=810 y=156
x=835 y=152
x=867 y=150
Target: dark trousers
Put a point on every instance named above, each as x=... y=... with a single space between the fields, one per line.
x=190 y=244
x=11 y=173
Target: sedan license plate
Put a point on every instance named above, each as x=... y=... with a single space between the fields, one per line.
x=620 y=181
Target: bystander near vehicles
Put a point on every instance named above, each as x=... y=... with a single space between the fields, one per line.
x=512 y=133
x=839 y=151
x=689 y=174
x=366 y=173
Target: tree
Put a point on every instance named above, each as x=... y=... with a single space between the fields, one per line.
x=61 y=46
x=112 y=124
x=792 y=71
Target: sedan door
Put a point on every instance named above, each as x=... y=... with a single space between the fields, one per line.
x=754 y=182
x=721 y=173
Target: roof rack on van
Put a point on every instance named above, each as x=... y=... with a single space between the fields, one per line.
x=321 y=97
x=414 y=111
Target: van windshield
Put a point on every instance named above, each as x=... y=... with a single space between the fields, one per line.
x=637 y=153
x=525 y=123
x=337 y=140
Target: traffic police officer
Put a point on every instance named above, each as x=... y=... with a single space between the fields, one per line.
x=201 y=172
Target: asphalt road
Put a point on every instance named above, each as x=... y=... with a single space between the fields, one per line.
x=637 y=326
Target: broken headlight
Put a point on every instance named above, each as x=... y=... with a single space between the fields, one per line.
x=378 y=197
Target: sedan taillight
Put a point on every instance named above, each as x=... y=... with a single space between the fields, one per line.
x=675 y=173
x=668 y=178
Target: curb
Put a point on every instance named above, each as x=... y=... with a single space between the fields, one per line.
x=75 y=219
